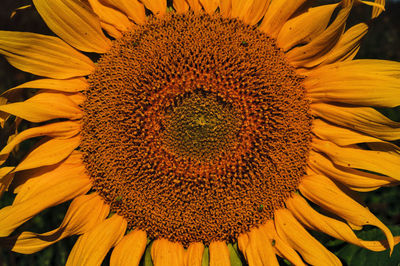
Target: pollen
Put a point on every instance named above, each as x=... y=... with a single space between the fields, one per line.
x=195 y=128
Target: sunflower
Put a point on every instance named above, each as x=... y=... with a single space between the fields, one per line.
x=205 y=127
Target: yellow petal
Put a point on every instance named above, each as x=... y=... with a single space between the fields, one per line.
x=83 y=214
x=72 y=163
x=49 y=152
x=225 y=8
x=257 y=248
x=111 y=16
x=251 y=11
x=376 y=11
x=337 y=229
x=133 y=8
x=158 y=7
x=6 y=177
x=194 y=5
x=43 y=55
x=277 y=15
x=363 y=119
x=293 y=233
x=348 y=45
x=325 y=193
x=93 y=246
x=130 y=249
x=44 y=106
x=219 y=254
x=209 y=5
x=75 y=23
x=55 y=193
x=281 y=247
x=65 y=85
x=305 y=27
x=111 y=30
x=166 y=253
x=60 y=130
x=352 y=178
x=357 y=87
x=194 y=254
x=373 y=67
x=382 y=162
x=181 y=6
x=78 y=98
x=344 y=136
x=315 y=51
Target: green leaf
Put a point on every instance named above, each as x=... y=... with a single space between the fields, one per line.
x=146 y=259
x=234 y=255
x=206 y=257
x=352 y=255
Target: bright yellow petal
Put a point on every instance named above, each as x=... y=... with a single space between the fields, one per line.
x=133 y=8
x=314 y=52
x=93 y=246
x=43 y=55
x=83 y=214
x=343 y=136
x=129 y=251
x=65 y=85
x=209 y=5
x=111 y=30
x=257 y=248
x=219 y=254
x=111 y=16
x=40 y=180
x=251 y=11
x=348 y=45
x=321 y=190
x=72 y=163
x=60 y=130
x=78 y=98
x=337 y=229
x=277 y=15
x=158 y=7
x=352 y=178
x=363 y=119
x=281 y=247
x=376 y=11
x=357 y=87
x=194 y=254
x=181 y=6
x=373 y=67
x=293 y=233
x=305 y=27
x=166 y=253
x=6 y=177
x=195 y=5
x=48 y=152
x=44 y=106
x=53 y=193
x=381 y=162
x=75 y=23
x=225 y=8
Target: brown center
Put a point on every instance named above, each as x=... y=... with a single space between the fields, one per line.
x=195 y=128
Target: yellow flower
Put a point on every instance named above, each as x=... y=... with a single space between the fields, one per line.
x=204 y=123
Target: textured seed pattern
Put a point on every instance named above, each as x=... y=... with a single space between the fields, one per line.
x=192 y=122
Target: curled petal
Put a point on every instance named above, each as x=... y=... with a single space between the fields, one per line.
x=321 y=190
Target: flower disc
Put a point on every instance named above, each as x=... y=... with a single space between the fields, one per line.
x=196 y=128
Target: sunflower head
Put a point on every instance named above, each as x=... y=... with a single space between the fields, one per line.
x=202 y=133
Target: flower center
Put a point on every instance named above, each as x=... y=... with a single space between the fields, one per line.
x=200 y=127
x=195 y=128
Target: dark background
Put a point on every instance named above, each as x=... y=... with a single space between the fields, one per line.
x=382 y=42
